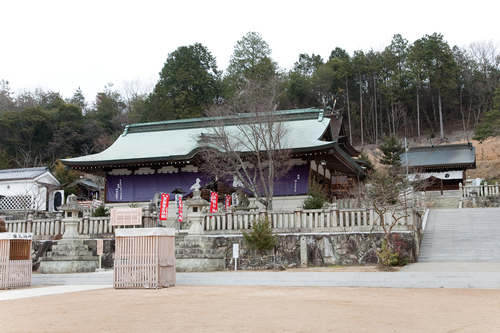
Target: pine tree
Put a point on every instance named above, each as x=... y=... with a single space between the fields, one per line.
x=392 y=150
x=260 y=237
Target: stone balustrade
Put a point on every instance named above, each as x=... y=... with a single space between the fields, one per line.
x=485 y=190
x=320 y=220
x=52 y=227
x=89 y=227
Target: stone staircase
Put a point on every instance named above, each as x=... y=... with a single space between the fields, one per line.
x=449 y=199
x=461 y=235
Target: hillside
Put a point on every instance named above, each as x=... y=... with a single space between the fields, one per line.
x=487 y=153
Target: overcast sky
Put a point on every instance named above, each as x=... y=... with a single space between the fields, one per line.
x=63 y=45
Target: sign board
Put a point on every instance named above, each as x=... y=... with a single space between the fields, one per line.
x=227 y=202
x=125 y=216
x=236 y=251
x=100 y=245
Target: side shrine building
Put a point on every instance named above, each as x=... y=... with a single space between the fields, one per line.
x=446 y=164
x=164 y=156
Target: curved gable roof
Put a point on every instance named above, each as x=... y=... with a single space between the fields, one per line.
x=179 y=139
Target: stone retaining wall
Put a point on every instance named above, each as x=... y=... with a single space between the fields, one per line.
x=202 y=253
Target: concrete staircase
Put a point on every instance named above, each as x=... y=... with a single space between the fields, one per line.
x=462 y=235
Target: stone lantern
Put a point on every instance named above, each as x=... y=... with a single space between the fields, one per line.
x=71 y=220
x=70 y=255
x=196 y=207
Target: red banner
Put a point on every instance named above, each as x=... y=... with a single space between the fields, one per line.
x=213 y=202
x=227 y=202
x=180 y=208
x=164 y=206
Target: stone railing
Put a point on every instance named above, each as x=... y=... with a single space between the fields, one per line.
x=320 y=220
x=88 y=226
x=53 y=227
x=467 y=191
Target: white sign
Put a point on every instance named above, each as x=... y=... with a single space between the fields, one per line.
x=236 y=251
x=100 y=247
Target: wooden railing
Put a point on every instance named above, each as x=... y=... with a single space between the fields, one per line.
x=320 y=220
x=485 y=190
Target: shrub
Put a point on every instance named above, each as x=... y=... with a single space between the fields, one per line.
x=260 y=237
x=387 y=256
x=317 y=197
x=101 y=211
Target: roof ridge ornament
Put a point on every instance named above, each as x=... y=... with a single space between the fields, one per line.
x=125 y=130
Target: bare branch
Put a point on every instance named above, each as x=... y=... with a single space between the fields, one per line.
x=246 y=142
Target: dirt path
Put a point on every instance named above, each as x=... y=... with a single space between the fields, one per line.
x=257 y=309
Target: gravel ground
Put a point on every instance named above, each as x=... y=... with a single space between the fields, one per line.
x=256 y=309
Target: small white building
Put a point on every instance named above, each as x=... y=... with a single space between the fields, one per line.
x=29 y=189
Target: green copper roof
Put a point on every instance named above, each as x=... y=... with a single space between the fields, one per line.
x=178 y=139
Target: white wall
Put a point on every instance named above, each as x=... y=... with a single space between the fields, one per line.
x=25 y=188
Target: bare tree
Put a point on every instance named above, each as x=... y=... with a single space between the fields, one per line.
x=246 y=143
x=391 y=193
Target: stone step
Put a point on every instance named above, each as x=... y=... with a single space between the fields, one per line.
x=103 y=278
x=461 y=235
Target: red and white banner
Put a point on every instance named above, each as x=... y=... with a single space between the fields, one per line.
x=164 y=206
x=180 y=208
x=213 y=202
x=227 y=202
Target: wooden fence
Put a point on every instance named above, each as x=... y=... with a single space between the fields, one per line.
x=15 y=263
x=485 y=190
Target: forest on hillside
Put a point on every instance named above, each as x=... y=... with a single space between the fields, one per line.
x=422 y=89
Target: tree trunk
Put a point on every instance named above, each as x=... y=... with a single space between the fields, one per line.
x=418 y=116
x=361 y=108
x=348 y=110
x=434 y=110
x=388 y=117
x=462 y=109
x=376 y=119
x=441 y=129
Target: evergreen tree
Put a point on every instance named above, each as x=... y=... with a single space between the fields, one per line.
x=491 y=124
x=392 y=150
x=251 y=61
x=189 y=83
x=260 y=237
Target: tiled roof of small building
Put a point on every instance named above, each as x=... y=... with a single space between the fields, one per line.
x=442 y=156
x=27 y=173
